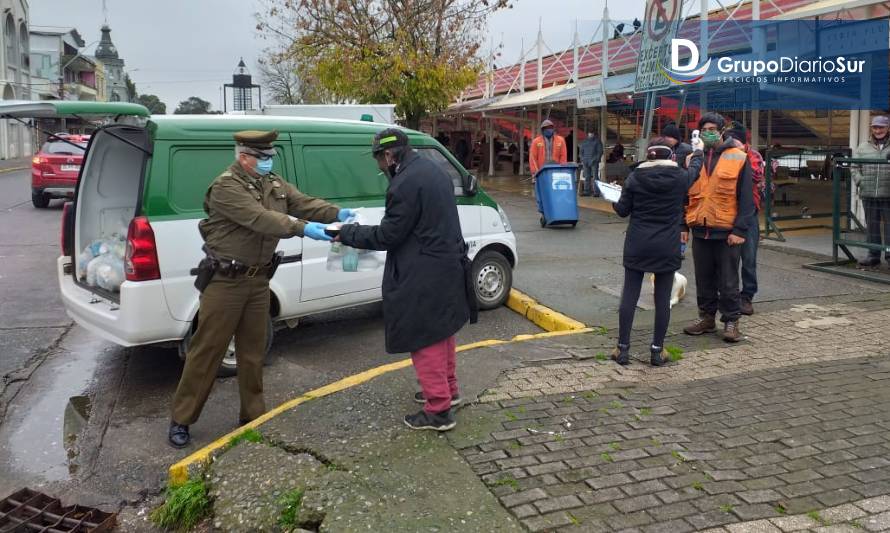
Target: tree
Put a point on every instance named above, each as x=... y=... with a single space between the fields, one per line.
x=153 y=103
x=288 y=84
x=193 y=106
x=131 y=88
x=417 y=54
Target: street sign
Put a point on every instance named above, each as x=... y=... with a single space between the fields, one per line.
x=661 y=22
x=591 y=93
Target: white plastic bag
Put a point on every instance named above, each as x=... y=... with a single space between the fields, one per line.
x=93 y=269
x=342 y=258
x=110 y=274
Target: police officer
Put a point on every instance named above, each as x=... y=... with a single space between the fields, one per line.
x=247 y=213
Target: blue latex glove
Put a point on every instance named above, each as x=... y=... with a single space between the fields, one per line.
x=345 y=214
x=315 y=230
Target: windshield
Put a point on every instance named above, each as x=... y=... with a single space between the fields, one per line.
x=63 y=148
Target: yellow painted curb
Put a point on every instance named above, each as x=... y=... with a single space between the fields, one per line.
x=5 y=170
x=544 y=317
x=179 y=472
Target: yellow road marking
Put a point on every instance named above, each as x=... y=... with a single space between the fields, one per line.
x=5 y=170
x=179 y=472
x=543 y=316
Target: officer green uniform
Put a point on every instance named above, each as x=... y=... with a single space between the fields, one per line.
x=246 y=217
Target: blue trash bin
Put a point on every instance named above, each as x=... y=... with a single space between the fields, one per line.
x=556 y=195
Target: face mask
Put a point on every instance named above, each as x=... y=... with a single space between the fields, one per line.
x=710 y=138
x=548 y=133
x=263 y=166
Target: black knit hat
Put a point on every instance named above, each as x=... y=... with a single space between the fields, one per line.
x=671 y=130
x=737 y=131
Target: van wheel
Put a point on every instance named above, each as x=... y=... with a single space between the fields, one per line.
x=39 y=198
x=493 y=278
x=229 y=365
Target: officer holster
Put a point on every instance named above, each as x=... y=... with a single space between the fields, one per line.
x=212 y=264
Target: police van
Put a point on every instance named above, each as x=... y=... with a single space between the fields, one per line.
x=144 y=178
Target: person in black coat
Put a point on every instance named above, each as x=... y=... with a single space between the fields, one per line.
x=654 y=196
x=674 y=139
x=427 y=297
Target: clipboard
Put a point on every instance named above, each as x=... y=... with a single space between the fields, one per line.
x=609 y=191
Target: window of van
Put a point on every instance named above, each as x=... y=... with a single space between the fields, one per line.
x=442 y=162
x=341 y=173
x=193 y=169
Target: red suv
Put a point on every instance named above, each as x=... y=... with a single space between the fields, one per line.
x=55 y=168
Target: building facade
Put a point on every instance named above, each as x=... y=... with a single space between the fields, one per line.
x=15 y=138
x=106 y=52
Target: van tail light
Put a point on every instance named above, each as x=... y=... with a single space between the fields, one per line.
x=141 y=261
x=66 y=235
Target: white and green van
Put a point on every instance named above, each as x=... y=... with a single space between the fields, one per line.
x=145 y=177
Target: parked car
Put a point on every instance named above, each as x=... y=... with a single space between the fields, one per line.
x=146 y=177
x=55 y=168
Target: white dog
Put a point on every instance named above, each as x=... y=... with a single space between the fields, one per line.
x=678 y=290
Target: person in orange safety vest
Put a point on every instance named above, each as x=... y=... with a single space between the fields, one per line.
x=721 y=205
x=547 y=148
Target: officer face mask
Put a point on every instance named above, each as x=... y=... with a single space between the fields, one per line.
x=548 y=132
x=263 y=166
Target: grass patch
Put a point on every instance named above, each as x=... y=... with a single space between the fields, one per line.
x=697 y=485
x=248 y=435
x=607 y=457
x=780 y=509
x=184 y=506
x=290 y=515
x=590 y=395
x=600 y=330
x=600 y=356
x=676 y=455
x=727 y=508
x=568 y=399
x=510 y=416
x=520 y=410
x=645 y=411
x=574 y=519
x=559 y=438
x=615 y=404
x=507 y=482
x=675 y=353
x=615 y=446
x=603 y=411
x=856 y=523
x=656 y=442
x=817 y=517
x=515 y=445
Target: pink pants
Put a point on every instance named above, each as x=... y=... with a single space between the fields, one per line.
x=435 y=366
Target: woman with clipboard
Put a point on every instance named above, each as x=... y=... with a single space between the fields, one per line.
x=654 y=196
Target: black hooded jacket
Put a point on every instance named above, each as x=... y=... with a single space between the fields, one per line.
x=654 y=196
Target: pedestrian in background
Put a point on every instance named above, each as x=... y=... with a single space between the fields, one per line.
x=738 y=133
x=719 y=211
x=654 y=196
x=591 y=154
x=427 y=292
x=547 y=149
x=873 y=183
x=674 y=139
x=247 y=213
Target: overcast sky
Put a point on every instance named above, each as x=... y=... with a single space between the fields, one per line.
x=181 y=48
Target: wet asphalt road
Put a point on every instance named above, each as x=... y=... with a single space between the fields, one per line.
x=85 y=420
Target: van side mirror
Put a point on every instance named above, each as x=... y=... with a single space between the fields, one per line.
x=471 y=185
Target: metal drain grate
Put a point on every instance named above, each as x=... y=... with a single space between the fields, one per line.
x=31 y=511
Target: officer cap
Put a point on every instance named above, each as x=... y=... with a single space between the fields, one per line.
x=388 y=138
x=547 y=124
x=261 y=141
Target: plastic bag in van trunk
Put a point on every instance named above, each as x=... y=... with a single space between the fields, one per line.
x=110 y=274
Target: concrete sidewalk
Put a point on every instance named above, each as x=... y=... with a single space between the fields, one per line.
x=786 y=431
x=11 y=165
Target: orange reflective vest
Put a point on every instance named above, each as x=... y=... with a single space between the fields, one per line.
x=537 y=153
x=713 y=201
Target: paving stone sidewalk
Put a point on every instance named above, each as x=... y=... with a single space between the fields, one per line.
x=785 y=432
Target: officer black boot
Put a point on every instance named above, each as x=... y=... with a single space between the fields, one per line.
x=621 y=355
x=178 y=436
